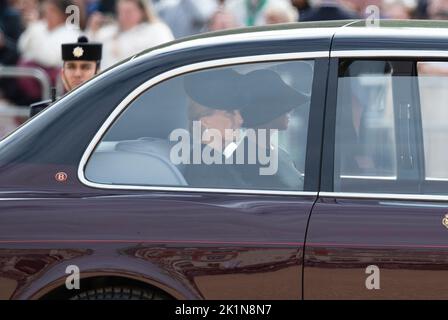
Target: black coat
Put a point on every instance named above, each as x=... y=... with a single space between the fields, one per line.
x=223 y=176
x=246 y=175
x=286 y=177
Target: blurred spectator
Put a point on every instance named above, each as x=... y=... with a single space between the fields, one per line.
x=107 y=7
x=91 y=6
x=29 y=10
x=250 y=12
x=398 y=9
x=303 y=7
x=40 y=45
x=421 y=12
x=356 y=5
x=359 y=6
x=222 y=19
x=438 y=9
x=329 y=10
x=280 y=12
x=137 y=28
x=187 y=17
x=10 y=30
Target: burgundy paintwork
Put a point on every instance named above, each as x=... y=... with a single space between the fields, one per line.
x=190 y=245
x=405 y=239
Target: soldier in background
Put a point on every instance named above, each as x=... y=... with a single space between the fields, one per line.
x=81 y=63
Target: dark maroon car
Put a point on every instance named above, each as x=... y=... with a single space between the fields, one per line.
x=345 y=197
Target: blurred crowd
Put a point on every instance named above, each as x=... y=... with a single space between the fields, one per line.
x=32 y=31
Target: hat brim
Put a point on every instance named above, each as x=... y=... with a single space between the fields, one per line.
x=81 y=52
x=216 y=89
x=268 y=97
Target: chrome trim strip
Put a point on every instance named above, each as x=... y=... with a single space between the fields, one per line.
x=410 y=204
x=30 y=199
x=369 y=177
x=383 y=196
x=176 y=72
x=389 y=53
x=436 y=179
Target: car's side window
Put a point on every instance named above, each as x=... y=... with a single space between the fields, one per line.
x=365 y=129
x=365 y=140
x=433 y=84
x=235 y=127
x=391 y=127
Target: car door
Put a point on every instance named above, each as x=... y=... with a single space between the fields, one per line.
x=220 y=239
x=379 y=227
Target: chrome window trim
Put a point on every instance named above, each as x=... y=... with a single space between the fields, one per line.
x=389 y=53
x=436 y=179
x=391 y=33
x=369 y=177
x=173 y=73
x=379 y=196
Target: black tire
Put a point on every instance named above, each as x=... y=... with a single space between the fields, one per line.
x=118 y=293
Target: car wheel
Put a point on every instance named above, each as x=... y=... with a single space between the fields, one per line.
x=118 y=293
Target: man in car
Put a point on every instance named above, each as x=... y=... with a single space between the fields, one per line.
x=81 y=63
x=269 y=100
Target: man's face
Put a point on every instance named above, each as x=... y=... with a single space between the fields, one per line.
x=77 y=72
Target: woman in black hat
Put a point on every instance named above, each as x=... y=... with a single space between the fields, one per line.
x=268 y=102
x=215 y=124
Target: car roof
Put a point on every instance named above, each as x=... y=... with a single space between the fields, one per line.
x=331 y=26
x=348 y=35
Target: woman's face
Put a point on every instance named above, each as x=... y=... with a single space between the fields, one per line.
x=221 y=120
x=129 y=14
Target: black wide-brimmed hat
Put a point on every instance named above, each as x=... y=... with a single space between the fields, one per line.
x=216 y=89
x=266 y=97
x=82 y=50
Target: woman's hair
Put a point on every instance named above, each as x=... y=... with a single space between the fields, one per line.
x=146 y=7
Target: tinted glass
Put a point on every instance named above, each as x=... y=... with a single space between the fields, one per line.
x=433 y=83
x=391 y=127
x=365 y=126
x=238 y=127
